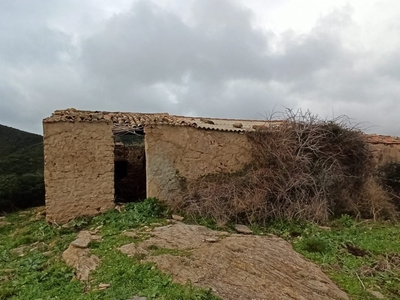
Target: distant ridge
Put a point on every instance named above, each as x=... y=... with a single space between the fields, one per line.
x=21 y=169
x=12 y=140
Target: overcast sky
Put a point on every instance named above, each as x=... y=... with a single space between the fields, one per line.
x=212 y=58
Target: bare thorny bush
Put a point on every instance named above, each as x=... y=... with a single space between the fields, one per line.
x=303 y=169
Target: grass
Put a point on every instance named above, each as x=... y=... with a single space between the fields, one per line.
x=378 y=267
x=40 y=272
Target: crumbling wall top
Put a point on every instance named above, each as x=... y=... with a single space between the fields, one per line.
x=125 y=120
x=383 y=139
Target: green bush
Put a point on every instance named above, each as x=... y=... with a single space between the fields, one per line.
x=21 y=191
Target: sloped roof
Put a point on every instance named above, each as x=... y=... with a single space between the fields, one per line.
x=382 y=139
x=126 y=120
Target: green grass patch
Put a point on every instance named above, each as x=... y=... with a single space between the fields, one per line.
x=356 y=255
x=37 y=271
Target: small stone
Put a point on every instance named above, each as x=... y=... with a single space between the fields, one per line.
x=211 y=240
x=156 y=224
x=243 y=229
x=177 y=218
x=137 y=298
x=103 y=286
x=376 y=294
x=82 y=242
x=324 y=228
x=237 y=125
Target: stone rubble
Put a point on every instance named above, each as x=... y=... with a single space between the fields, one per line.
x=78 y=255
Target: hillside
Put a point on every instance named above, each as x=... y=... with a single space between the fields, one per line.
x=21 y=169
x=20 y=152
x=12 y=140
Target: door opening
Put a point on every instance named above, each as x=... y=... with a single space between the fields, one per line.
x=129 y=167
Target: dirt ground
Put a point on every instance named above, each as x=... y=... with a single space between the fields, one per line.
x=235 y=266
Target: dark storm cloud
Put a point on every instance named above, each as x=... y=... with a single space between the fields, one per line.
x=220 y=65
x=150 y=45
x=214 y=63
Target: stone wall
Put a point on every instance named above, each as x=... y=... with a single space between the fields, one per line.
x=385 y=153
x=176 y=154
x=79 y=169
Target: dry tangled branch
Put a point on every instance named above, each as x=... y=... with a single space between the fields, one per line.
x=306 y=169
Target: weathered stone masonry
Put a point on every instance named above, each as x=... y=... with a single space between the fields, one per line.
x=80 y=154
x=174 y=153
x=79 y=169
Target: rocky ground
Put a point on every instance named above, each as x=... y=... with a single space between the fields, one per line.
x=233 y=266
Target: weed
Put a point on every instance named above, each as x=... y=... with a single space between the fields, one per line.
x=315 y=245
x=135 y=214
x=39 y=275
x=355 y=255
x=345 y=221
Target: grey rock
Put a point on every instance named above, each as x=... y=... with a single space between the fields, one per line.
x=243 y=229
x=177 y=218
x=103 y=286
x=82 y=242
x=211 y=240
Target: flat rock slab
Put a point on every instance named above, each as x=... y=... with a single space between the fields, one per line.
x=243 y=229
x=237 y=266
x=81 y=260
x=78 y=255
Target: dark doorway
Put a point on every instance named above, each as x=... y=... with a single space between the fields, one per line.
x=130 y=167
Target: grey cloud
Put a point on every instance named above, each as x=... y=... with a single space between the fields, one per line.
x=149 y=59
x=150 y=45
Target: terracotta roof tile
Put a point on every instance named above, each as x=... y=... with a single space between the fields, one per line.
x=126 y=120
x=382 y=139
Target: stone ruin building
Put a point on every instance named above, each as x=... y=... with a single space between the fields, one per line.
x=94 y=159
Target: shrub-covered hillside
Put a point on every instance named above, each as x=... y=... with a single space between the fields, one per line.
x=21 y=169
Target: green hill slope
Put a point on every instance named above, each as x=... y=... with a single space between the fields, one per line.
x=12 y=140
x=21 y=169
